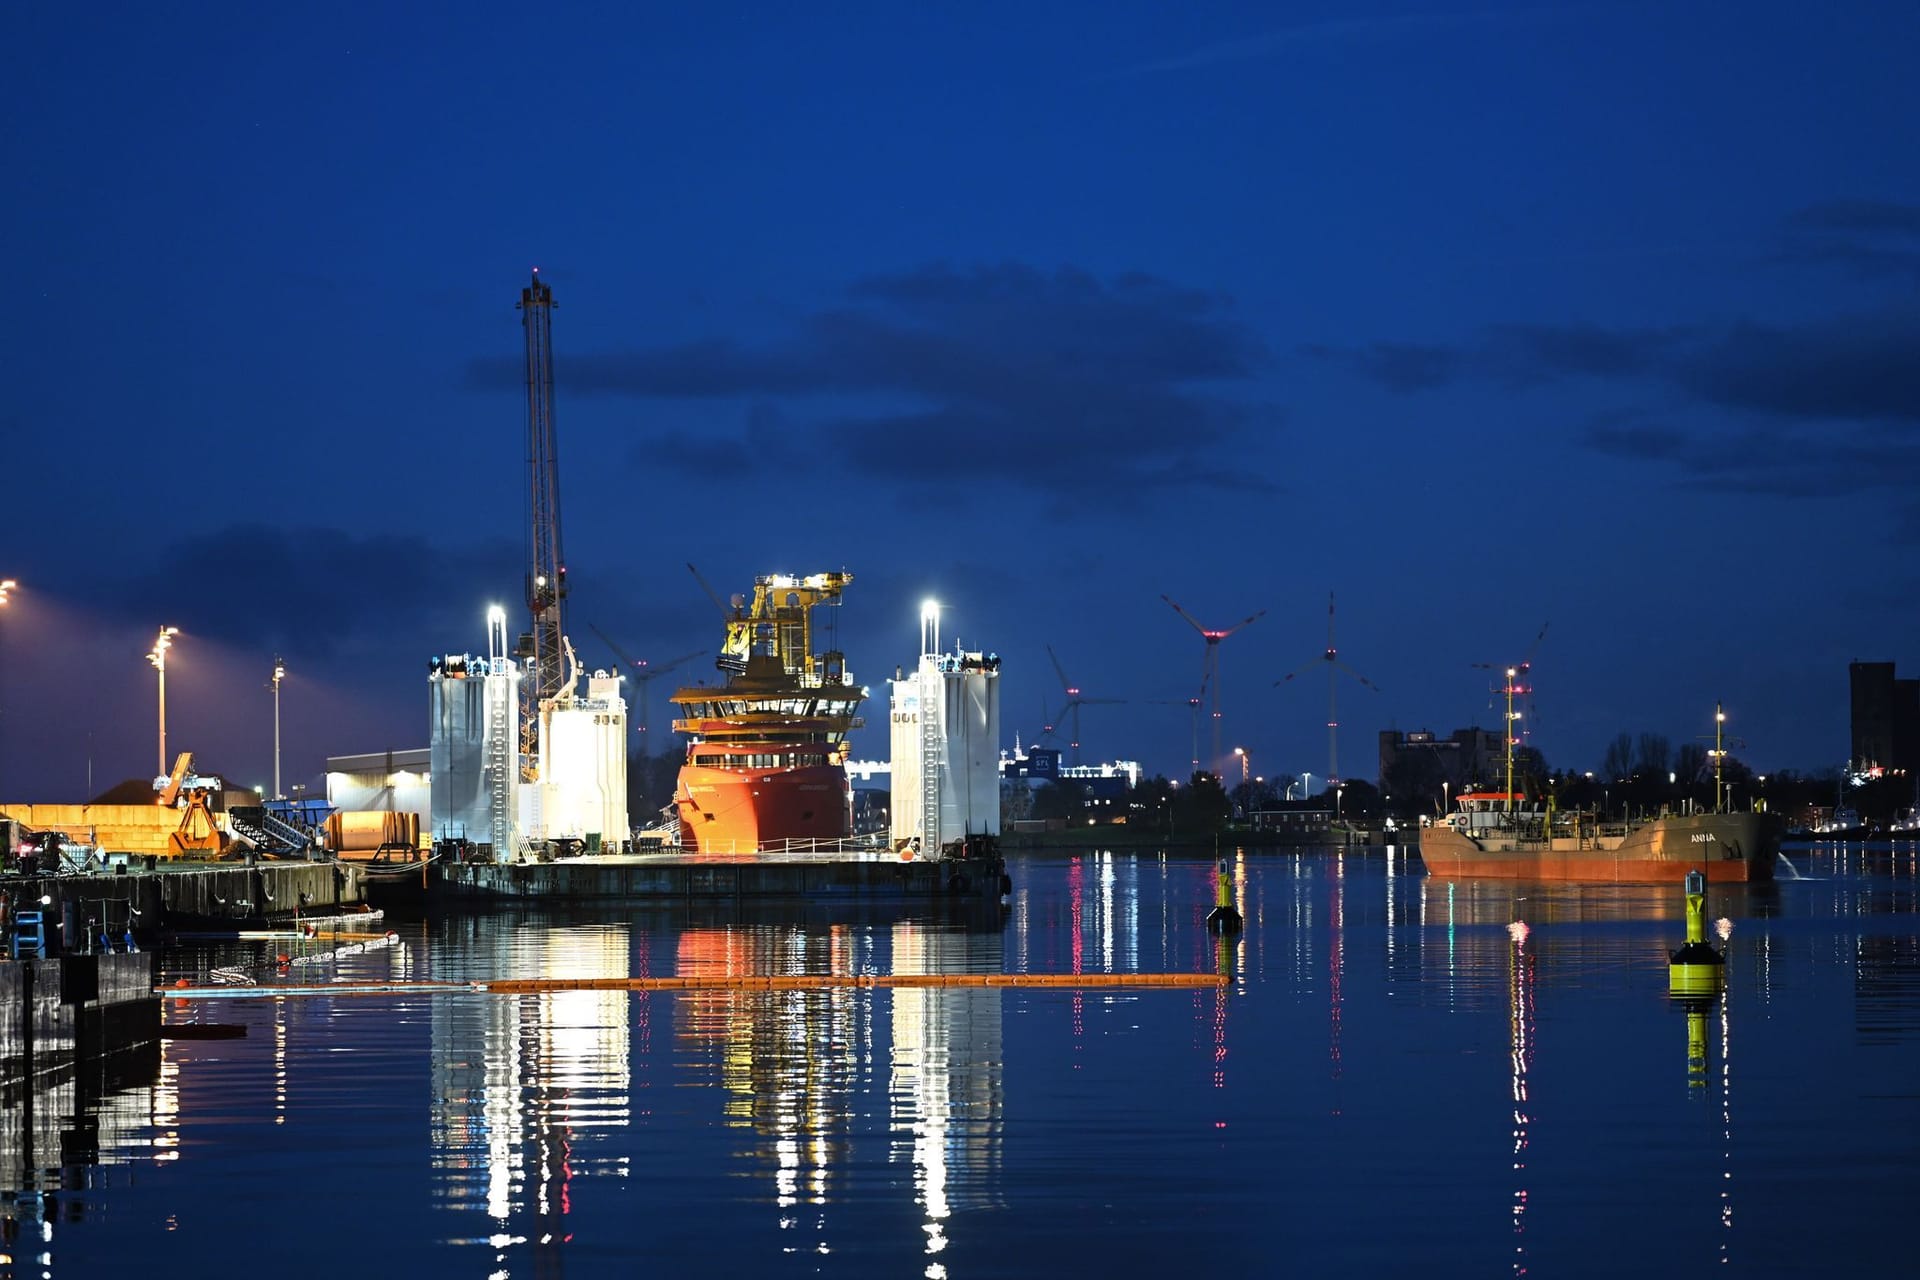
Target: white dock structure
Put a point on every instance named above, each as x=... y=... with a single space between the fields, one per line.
x=945 y=731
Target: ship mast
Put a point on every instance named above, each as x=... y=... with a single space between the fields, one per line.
x=547 y=567
x=1719 y=752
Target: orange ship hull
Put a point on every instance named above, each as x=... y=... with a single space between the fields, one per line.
x=743 y=810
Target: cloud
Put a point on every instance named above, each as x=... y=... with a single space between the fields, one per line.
x=1868 y=239
x=1855 y=368
x=308 y=590
x=1874 y=216
x=1055 y=380
x=1337 y=31
x=1767 y=459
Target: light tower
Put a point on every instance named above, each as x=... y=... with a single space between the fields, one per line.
x=547 y=567
x=158 y=657
x=279 y=674
x=1210 y=667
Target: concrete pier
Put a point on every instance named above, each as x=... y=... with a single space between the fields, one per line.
x=689 y=877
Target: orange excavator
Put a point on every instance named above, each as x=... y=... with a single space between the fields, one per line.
x=198 y=835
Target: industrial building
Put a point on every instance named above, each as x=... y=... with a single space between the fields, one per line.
x=1467 y=756
x=1886 y=718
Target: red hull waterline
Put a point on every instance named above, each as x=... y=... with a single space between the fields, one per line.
x=749 y=810
x=1594 y=868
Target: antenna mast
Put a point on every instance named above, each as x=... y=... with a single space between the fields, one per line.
x=547 y=567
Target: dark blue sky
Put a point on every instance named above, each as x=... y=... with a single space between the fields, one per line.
x=1597 y=315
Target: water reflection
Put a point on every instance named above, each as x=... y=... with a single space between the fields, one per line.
x=524 y=1086
x=1502 y=1060
x=61 y=1133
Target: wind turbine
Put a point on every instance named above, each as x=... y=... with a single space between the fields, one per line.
x=1210 y=666
x=643 y=673
x=1075 y=701
x=1334 y=667
x=1193 y=704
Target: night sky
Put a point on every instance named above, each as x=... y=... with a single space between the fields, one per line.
x=1599 y=318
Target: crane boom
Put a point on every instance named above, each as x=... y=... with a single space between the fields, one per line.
x=547 y=566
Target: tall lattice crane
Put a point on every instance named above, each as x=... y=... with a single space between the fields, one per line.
x=547 y=566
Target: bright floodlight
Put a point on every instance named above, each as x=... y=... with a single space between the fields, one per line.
x=929 y=610
x=496 y=614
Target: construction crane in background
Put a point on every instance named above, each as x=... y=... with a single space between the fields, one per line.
x=1210 y=666
x=1193 y=706
x=541 y=648
x=1517 y=680
x=1075 y=701
x=1334 y=667
x=643 y=673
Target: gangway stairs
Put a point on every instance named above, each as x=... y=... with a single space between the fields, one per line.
x=502 y=769
x=268 y=833
x=933 y=750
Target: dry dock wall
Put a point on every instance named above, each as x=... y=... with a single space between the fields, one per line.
x=589 y=880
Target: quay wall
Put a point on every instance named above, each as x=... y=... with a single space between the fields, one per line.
x=148 y=902
x=57 y=1013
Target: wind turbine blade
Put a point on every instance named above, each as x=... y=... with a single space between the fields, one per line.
x=1300 y=671
x=1057 y=670
x=1339 y=665
x=1244 y=622
x=1183 y=613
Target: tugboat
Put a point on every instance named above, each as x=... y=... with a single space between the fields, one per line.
x=767 y=749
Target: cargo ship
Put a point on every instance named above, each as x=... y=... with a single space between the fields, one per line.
x=1499 y=835
x=767 y=748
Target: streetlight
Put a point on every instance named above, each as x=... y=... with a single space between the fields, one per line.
x=279 y=674
x=1446 y=796
x=158 y=657
x=6 y=585
x=1337 y=793
x=1242 y=753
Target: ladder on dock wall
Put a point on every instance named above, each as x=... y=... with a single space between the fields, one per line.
x=932 y=756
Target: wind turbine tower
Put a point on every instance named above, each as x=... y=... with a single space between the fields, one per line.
x=1193 y=706
x=1210 y=666
x=1075 y=700
x=1334 y=667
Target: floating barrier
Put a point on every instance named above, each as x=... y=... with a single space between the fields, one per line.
x=716 y=982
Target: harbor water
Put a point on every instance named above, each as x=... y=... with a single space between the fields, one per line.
x=1400 y=1076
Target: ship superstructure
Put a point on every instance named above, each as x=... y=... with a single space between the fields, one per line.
x=767 y=750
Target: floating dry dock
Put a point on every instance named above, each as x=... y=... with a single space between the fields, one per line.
x=668 y=877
